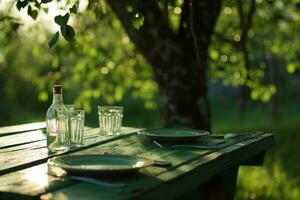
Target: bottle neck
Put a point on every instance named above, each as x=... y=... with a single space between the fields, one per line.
x=57 y=99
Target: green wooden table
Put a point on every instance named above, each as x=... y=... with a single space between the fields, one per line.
x=200 y=173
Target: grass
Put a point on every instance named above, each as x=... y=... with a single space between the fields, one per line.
x=279 y=178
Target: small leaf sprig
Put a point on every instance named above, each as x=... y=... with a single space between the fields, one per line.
x=33 y=7
x=66 y=30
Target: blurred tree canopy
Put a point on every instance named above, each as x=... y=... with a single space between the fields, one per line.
x=145 y=47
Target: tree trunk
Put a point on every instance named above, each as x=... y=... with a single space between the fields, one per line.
x=245 y=25
x=183 y=92
x=275 y=64
x=178 y=59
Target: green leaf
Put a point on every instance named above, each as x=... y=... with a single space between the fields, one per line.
x=73 y=9
x=33 y=13
x=67 y=32
x=15 y=25
x=21 y=4
x=62 y=20
x=46 y=1
x=37 y=4
x=54 y=39
x=46 y=10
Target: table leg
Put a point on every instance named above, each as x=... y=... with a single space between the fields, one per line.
x=221 y=187
x=257 y=160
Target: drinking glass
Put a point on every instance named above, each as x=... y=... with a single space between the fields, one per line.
x=110 y=119
x=70 y=107
x=76 y=118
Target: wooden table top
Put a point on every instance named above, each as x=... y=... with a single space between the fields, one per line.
x=24 y=172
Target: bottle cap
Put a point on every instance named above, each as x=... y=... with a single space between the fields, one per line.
x=57 y=89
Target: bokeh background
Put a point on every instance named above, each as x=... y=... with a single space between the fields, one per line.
x=103 y=67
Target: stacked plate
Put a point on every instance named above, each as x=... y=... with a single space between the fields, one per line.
x=172 y=134
x=100 y=165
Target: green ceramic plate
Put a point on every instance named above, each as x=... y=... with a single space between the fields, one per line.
x=100 y=165
x=172 y=134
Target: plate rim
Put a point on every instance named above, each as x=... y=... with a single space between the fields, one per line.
x=67 y=167
x=145 y=133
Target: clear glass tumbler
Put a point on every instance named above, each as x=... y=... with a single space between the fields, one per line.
x=110 y=119
x=70 y=107
x=76 y=128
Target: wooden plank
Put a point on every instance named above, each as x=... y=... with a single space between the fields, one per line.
x=7 y=130
x=132 y=145
x=31 y=180
x=257 y=160
x=185 y=162
x=199 y=171
x=221 y=186
x=85 y=190
x=145 y=183
x=13 y=159
x=155 y=185
x=24 y=138
x=34 y=140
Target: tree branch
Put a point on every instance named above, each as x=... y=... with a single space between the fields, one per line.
x=246 y=24
x=154 y=22
x=194 y=36
x=166 y=10
x=184 y=19
x=120 y=8
x=153 y=37
x=225 y=39
x=241 y=12
x=153 y=17
x=205 y=14
x=245 y=29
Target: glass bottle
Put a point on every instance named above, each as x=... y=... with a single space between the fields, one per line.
x=58 y=137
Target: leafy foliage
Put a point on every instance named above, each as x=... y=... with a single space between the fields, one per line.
x=102 y=64
x=62 y=20
x=100 y=54
x=54 y=39
x=32 y=13
x=73 y=9
x=21 y=4
x=67 y=32
x=272 y=40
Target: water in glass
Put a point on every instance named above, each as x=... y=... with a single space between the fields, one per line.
x=76 y=127
x=110 y=119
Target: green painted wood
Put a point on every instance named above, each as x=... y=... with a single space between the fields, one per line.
x=221 y=186
x=190 y=167
x=138 y=189
x=25 y=142
x=202 y=170
x=7 y=130
x=229 y=177
x=21 y=138
x=257 y=160
x=132 y=145
x=13 y=159
x=31 y=181
x=27 y=137
x=184 y=176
